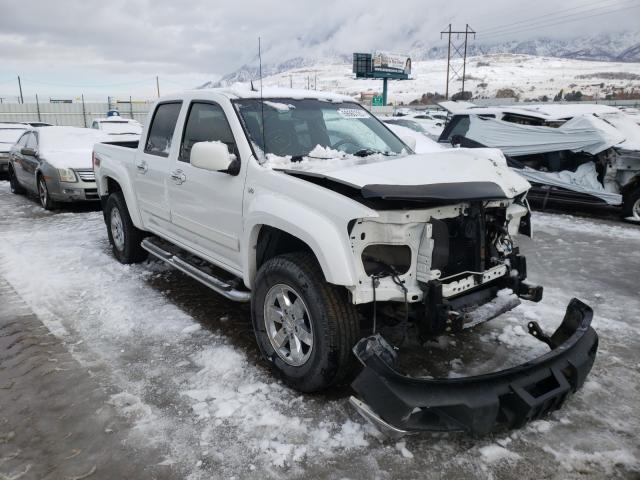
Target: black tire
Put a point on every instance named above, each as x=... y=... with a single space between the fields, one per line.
x=631 y=204
x=126 y=248
x=43 y=195
x=15 y=186
x=333 y=319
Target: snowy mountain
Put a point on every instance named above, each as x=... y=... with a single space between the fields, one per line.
x=526 y=77
x=614 y=47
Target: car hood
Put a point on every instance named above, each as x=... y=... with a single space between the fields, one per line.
x=456 y=174
x=71 y=158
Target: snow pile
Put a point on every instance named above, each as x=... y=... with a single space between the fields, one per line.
x=323 y=159
x=267 y=417
x=496 y=453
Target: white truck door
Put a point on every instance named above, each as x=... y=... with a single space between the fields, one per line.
x=206 y=206
x=152 y=166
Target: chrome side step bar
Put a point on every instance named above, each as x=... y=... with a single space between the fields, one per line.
x=214 y=283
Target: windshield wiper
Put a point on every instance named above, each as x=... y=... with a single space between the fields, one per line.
x=365 y=152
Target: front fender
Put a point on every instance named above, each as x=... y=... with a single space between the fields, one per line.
x=327 y=238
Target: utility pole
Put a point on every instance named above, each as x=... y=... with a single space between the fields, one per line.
x=38 y=108
x=20 y=88
x=290 y=81
x=460 y=50
x=84 y=113
x=158 y=86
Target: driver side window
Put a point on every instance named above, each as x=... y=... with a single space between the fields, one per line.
x=206 y=122
x=32 y=142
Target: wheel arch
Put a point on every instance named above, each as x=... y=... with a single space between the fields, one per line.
x=267 y=240
x=109 y=185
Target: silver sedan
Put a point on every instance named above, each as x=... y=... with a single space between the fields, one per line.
x=56 y=164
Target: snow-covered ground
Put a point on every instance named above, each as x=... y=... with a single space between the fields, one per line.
x=186 y=371
x=528 y=76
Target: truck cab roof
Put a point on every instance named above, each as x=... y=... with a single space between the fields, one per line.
x=241 y=92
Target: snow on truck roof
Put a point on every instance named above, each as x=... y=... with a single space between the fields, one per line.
x=271 y=92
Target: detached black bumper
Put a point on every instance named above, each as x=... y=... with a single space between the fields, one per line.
x=481 y=404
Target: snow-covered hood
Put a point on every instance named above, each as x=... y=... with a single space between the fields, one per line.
x=71 y=158
x=457 y=173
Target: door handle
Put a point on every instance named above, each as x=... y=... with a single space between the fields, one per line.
x=178 y=176
x=142 y=167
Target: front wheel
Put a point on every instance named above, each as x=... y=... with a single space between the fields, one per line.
x=43 y=194
x=124 y=237
x=304 y=326
x=631 y=205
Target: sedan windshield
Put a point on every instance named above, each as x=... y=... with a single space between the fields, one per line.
x=10 y=135
x=293 y=128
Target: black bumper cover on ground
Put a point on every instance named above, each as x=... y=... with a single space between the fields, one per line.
x=480 y=404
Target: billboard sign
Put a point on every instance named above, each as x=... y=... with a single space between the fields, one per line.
x=391 y=63
x=382 y=65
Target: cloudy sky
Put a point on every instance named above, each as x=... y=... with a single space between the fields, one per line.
x=117 y=47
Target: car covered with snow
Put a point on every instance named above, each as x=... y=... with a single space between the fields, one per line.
x=55 y=163
x=9 y=135
x=576 y=154
x=308 y=207
x=122 y=129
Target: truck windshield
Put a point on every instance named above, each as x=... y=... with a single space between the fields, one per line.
x=296 y=127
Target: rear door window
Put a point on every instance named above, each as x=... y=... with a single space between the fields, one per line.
x=162 y=127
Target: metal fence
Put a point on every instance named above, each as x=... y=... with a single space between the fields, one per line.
x=78 y=114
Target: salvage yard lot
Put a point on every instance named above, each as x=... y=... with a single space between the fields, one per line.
x=182 y=376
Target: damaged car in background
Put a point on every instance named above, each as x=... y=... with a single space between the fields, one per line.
x=308 y=207
x=575 y=154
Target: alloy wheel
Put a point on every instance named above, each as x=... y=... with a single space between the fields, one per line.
x=288 y=325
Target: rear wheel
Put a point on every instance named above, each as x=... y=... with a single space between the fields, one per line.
x=43 y=194
x=14 y=184
x=631 y=205
x=304 y=326
x=124 y=237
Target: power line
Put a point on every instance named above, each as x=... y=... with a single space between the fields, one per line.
x=559 y=22
x=575 y=11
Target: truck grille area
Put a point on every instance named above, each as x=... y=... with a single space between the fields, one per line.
x=459 y=244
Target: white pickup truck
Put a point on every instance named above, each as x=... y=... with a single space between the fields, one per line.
x=310 y=208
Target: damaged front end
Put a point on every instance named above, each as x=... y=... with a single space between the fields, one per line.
x=399 y=404
x=454 y=267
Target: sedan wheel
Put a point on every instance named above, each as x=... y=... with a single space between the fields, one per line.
x=43 y=194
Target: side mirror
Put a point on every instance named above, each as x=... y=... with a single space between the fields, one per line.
x=213 y=156
x=411 y=141
x=30 y=152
